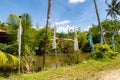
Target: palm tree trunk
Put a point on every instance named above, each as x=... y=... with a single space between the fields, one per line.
x=46 y=36
x=101 y=30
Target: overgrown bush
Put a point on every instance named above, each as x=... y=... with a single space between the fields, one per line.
x=83 y=42
x=72 y=58
x=86 y=47
x=67 y=47
x=103 y=51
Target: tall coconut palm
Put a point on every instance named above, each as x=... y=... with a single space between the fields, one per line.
x=113 y=10
x=98 y=17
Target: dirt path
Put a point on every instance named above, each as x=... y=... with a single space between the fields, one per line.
x=108 y=75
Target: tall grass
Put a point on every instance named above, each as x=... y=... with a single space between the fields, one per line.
x=82 y=71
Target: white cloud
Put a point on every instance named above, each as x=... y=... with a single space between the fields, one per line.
x=64 y=29
x=62 y=22
x=76 y=1
x=87 y=28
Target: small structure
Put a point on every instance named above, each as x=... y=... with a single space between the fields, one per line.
x=3 y=36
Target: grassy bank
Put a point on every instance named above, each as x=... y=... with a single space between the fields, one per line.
x=82 y=71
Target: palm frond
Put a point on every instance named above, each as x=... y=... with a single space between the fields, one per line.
x=13 y=20
x=6 y=59
x=12 y=59
x=26 y=19
x=117 y=11
x=113 y=9
x=114 y=2
x=111 y=13
x=107 y=13
x=114 y=15
x=118 y=6
x=3 y=58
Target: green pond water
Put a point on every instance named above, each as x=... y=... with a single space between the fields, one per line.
x=50 y=61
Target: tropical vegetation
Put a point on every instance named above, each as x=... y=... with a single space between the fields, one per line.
x=92 y=56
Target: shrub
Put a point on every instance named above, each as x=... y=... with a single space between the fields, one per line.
x=103 y=51
x=83 y=42
x=86 y=47
x=67 y=47
x=72 y=58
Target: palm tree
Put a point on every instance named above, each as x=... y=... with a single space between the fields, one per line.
x=113 y=10
x=26 y=25
x=46 y=31
x=13 y=22
x=98 y=17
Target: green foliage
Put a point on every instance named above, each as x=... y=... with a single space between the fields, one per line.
x=12 y=59
x=3 y=58
x=4 y=26
x=29 y=51
x=117 y=46
x=11 y=48
x=26 y=31
x=82 y=40
x=66 y=46
x=103 y=51
x=86 y=47
x=72 y=58
x=7 y=59
x=39 y=40
x=62 y=35
x=13 y=23
x=8 y=62
x=95 y=33
x=108 y=25
x=109 y=29
x=3 y=47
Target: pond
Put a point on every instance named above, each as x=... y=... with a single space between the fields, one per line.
x=51 y=61
x=35 y=63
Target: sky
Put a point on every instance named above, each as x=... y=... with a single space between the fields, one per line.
x=65 y=13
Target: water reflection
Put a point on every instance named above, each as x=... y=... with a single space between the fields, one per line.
x=50 y=61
